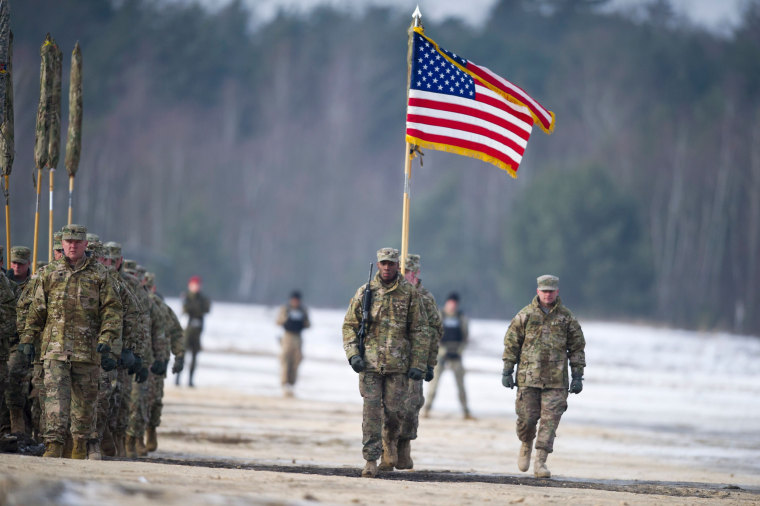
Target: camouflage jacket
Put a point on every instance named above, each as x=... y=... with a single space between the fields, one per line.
x=132 y=318
x=7 y=315
x=435 y=327
x=142 y=338
x=195 y=305
x=172 y=329
x=23 y=304
x=158 y=338
x=542 y=344
x=75 y=308
x=398 y=337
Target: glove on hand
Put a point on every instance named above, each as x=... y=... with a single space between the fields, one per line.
x=576 y=386
x=158 y=367
x=357 y=363
x=507 y=380
x=127 y=358
x=134 y=368
x=430 y=374
x=102 y=348
x=179 y=364
x=141 y=375
x=27 y=349
x=107 y=362
x=415 y=374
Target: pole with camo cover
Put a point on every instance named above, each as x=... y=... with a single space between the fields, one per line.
x=74 y=136
x=5 y=33
x=6 y=116
x=54 y=137
x=42 y=132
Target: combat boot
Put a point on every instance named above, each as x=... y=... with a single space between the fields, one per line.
x=68 y=446
x=130 y=449
x=108 y=445
x=18 y=423
x=523 y=461
x=93 y=450
x=404 y=456
x=118 y=439
x=151 y=441
x=140 y=446
x=53 y=449
x=390 y=456
x=539 y=465
x=370 y=469
x=79 y=451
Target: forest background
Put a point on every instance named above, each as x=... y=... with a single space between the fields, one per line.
x=268 y=156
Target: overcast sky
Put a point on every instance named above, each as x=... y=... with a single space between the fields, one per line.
x=718 y=15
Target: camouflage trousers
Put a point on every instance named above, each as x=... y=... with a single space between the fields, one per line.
x=413 y=402
x=138 y=408
x=290 y=358
x=119 y=420
x=71 y=396
x=546 y=404
x=155 y=399
x=4 y=417
x=106 y=388
x=37 y=398
x=19 y=377
x=383 y=411
x=455 y=364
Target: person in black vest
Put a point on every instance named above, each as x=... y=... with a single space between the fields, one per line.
x=294 y=318
x=453 y=342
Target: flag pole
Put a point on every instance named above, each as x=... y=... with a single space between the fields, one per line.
x=7 y=134
x=42 y=133
x=408 y=150
x=54 y=135
x=74 y=135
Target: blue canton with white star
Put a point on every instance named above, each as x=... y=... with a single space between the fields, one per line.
x=432 y=72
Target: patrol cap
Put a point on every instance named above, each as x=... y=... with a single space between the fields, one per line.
x=548 y=282
x=74 y=233
x=20 y=254
x=150 y=279
x=97 y=250
x=57 y=244
x=113 y=250
x=412 y=262
x=41 y=264
x=94 y=244
x=92 y=237
x=141 y=270
x=129 y=265
x=387 y=254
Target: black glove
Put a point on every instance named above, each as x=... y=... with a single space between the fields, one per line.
x=127 y=359
x=415 y=374
x=141 y=375
x=430 y=373
x=158 y=367
x=27 y=349
x=136 y=366
x=179 y=364
x=507 y=380
x=357 y=363
x=102 y=348
x=576 y=386
x=107 y=362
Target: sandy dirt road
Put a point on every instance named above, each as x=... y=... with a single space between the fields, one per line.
x=218 y=446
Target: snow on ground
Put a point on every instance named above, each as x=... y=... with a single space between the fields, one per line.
x=690 y=396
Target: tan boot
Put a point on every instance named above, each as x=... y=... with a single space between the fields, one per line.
x=93 y=451
x=140 y=446
x=539 y=465
x=18 y=423
x=68 y=446
x=53 y=449
x=404 y=455
x=390 y=456
x=151 y=442
x=523 y=461
x=370 y=469
x=107 y=444
x=118 y=441
x=79 y=451
x=131 y=451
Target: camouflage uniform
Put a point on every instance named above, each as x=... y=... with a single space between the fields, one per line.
x=174 y=336
x=293 y=320
x=540 y=344
x=397 y=340
x=195 y=305
x=75 y=308
x=19 y=370
x=453 y=341
x=7 y=333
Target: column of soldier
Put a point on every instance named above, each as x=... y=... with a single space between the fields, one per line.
x=86 y=342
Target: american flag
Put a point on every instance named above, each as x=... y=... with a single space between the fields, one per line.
x=455 y=105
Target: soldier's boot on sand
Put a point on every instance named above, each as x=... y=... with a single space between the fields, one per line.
x=18 y=422
x=370 y=469
x=53 y=449
x=140 y=446
x=93 y=450
x=539 y=465
x=130 y=449
x=68 y=446
x=404 y=458
x=468 y=416
x=390 y=456
x=108 y=445
x=79 y=451
x=523 y=461
x=151 y=442
x=118 y=439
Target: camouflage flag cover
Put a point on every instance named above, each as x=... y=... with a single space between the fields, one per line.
x=54 y=109
x=42 y=132
x=74 y=140
x=5 y=33
x=7 y=135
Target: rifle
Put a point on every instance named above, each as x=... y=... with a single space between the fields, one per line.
x=366 y=305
